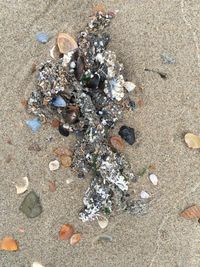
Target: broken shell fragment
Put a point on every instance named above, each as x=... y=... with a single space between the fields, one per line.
x=9 y=244
x=66 y=43
x=102 y=221
x=191 y=212
x=153 y=178
x=75 y=239
x=192 y=140
x=129 y=86
x=54 y=52
x=117 y=143
x=66 y=161
x=37 y=264
x=144 y=194
x=63 y=130
x=60 y=151
x=22 y=188
x=59 y=102
x=66 y=232
x=54 y=165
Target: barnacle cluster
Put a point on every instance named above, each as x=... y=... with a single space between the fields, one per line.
x=86 y=91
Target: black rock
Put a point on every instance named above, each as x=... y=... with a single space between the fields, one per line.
x=93 y=83
x=128 y=134
x=31 y=205
x=63 y=130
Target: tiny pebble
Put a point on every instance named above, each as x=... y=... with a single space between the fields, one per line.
x=42 y=37
x=59 y=102
x=128 y=134
x=144 y=194
x=129 y=86
x=54 y=165
x=153 y=178
x=167 y=59
x=34 y=124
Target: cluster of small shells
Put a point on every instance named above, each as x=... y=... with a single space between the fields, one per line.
x=82 y=91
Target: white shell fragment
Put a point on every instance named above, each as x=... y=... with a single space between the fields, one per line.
x=22 y=188
x=153 y=178
x=102 y=221
x=144 y=194
x=129 y=86
x=37 y=264
x=54 y=165
x=54 y=52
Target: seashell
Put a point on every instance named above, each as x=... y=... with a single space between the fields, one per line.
x=103 y=237
x=55 y=123
x=63 y=130
x=153 y=178
x=117 y=143
x=79 y=70
x=22 y=188
x=66 y=161
x=54 y=165
x=42 y=37
x=66 y=232
x=65 y=43
x=128 y=134
x=34 y=124
x=9 y=244
x=75 y=239
x=54 y=52
x=144 y=194
x=59 y=102
x=191 y=212
x=129 y=86
x=192 y=140
x=60 y=151
x=102 y=221
x=71 y=114
x=37 y=264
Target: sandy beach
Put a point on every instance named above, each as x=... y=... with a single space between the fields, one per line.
x=141 y=32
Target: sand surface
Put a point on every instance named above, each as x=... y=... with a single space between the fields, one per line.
x=141 y=31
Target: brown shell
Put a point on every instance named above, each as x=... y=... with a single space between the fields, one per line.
x=117 y=143
x=8 y=244
x=66 y=232
x=60 y=151
x=66 y=161
x=65 y=43
x=191 y=212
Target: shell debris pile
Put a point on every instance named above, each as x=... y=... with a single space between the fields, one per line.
x=84 y=90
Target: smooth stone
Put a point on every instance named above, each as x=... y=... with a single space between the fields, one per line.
x=59 y=102
x=34 y=124
x=42 y=37
x=128 y=134
x=31 y=205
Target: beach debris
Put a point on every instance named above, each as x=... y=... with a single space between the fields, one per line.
x=65 y=43
x=66 y=161
x=191 y=212
x=153 y=178
x=88 y=81
x=54 y=165
x=22 y=188
x=9 y=244
x=52 y=186
x=102 y=221
x=66 y=232
x=34 y=147
x=192 y=140
x=34 y=124
x=139 y=207
x=129 y=86
x=167 y=59
x=36 y=264
x=60 y=151
x=128 y=134
x=144 y=194
x=75 y=239
x=117 y=143
x=55 y=123
x=99 y=8
x=161 y=74
x=69 y=180
x=103 y=237
x=54 y=52
x=42 y=37
x=31 y=205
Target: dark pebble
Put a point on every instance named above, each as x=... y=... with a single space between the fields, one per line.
x=94 y=82
x=128 y=134
x=31 y=205
x=63 y=130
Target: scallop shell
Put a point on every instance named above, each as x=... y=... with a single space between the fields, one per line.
x=65 y=43
x=192 y=140
x=102 y=221
x=191 y=213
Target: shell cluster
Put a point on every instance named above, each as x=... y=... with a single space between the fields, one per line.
x=84 y=90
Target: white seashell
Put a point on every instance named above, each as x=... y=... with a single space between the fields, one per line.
x=54 y=165
x=102 y=221
x=22 y=188
x=129 y=86
x=37 y=264
x=153 y=178
x=144 y=194
x=54 y=53
x=69 y=181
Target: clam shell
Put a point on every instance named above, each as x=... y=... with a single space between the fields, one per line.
x=65 y=43
x=22 y=188
x=192 y=140
x=191 y=212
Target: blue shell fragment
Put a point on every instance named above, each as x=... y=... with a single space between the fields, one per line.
x=59 y=102
x=34 y=124
x=42 y=37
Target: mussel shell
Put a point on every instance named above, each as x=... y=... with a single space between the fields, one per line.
x=63 y=130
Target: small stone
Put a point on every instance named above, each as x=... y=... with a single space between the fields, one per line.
x=129 y=86
x=153 y=178
x=128 y=134
x=31 y=205
x=42 y=37
x=63 y=130
x=144 y=194
x=34 y=147
x=66 y=161
x=34 y=124
x=59 y=102
x=55 y=123
x=54 y=165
